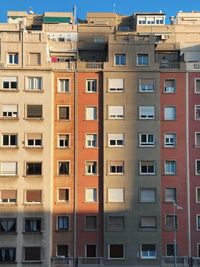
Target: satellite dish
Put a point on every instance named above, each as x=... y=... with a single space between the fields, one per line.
x=30 y=10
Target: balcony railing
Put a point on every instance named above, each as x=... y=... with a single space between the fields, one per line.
x=65 y=262
x=164 y=64
x=181 y=261
x=89 y=261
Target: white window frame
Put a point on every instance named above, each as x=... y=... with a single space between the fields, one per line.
x=149 y=163
x=13 y=113
x=117 y=114
x=196 y=143
x=91 y=85
x=144 y=114
x=170 y=140
x=57 y=222
x=120 y=59
x=196 y=169
x=62 y=88
x=34 y=140
x=172 y=163
x=9 y=172
x=63 y=200
x=119 y=193
x=148 y=254
x=91 y=163
x=116 y=85
x=93 y=195
x=58 y=112
x=94 y=113
x=167 y=199
x=170 y=89
x=147 y=189
x=62 y=137
x=170 y=113
x=116 y=258
x=34 y=83
x=195 y=85
x=91 y=140
x=14 y=56
x=197 y=107
x=10 y=80
x=116 y=167
x=9 y=140
x=147 y=143
x=146 y=87
x=197 y=189
x=68 y=164
x=116 y=139
x=198 y=220
x=141 y=59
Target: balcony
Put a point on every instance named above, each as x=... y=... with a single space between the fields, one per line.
x=62 y=262
x=90 y=65
x=164 y=64
x=181 y=261
x=92 y=262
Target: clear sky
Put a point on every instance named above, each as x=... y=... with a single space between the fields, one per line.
x=124 y=7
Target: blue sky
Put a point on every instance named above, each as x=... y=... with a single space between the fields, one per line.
x=125 y=7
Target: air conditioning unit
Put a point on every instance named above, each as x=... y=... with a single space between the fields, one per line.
x=164 y=37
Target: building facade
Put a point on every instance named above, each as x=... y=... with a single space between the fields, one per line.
x=99 y=147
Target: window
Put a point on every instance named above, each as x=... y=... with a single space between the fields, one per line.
x=115 y=112
x=197 y=167
x=33 y=140
x=32 y=253
x=34 y=59
x=142 y=60
x=147 y=140
x=148 y=251
x=9 y=140
x=197 y=139
x=198 y=250
x=116 y=167
x=148 y=222
x=91 y=113
x=148 y=195
x=63 y=113
x=34 y=111
x=171 y=222
x=91 y=140
x=170 y=194
x=63 y=195
x=7 y=254
x=197 y=194
x=169 y=113
x=9 y=111
x=13 y=58
x=62 y=251
x=8 y=168
x=116 y=195
x=115 y=140
x=120 y=59
x=147 y=167
x=90 y=194
x=147 y=112
x=33 y=196
x=91 y=223
x=116 y=223
x=33 y=168
x=170 y=250
x=198 y=222
x=9 y=83
x=116 y=251
x=33 y=225
x=91 y=167
x=170 y=167
x=63 y=86
x=34 y=83
x=197 y=86
x=170 y=140
x=170 y=86
x=91 y=251
x=63 y=223
x=8 y=225
x=116 y=85
x=197 y=112
x=63 y=140
x=63 y=167
x=146 y=85
x=91 y=86
x=8 y=196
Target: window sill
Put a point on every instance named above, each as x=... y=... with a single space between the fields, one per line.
x=9 y=147
x=8 y=204
x=61 y=147
x=32 y=233
x=32 y=262
x=148 y=258
x=33 y=204
x=33 y=91
x=34 y=119
x=8 y=176
x=8 y=262
x=33 y=176
x=62 y=230
x=7 y=90
x=34 y=147
x=63 y=175
x=8 y=233
x=9 y=118
x=62 y=202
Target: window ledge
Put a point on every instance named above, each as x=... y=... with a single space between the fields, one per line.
x=33 y=204
x=34 y=147
x=61 y=231
x=8 y=204
x=62 y=175
x=8 y=176
x=9 y=118
x=34 y=119
x=8 y=262
x=9 y=90
x=33 y=91
x=62 y=202
x=32 y=262
x=32 y=233
x=8 y=233
x=33 y=176
x=61 y=147
x=9 y=147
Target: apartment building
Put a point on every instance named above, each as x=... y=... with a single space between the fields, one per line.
x=99 y=152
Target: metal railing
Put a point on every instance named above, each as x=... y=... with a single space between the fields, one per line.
x=58 y=261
